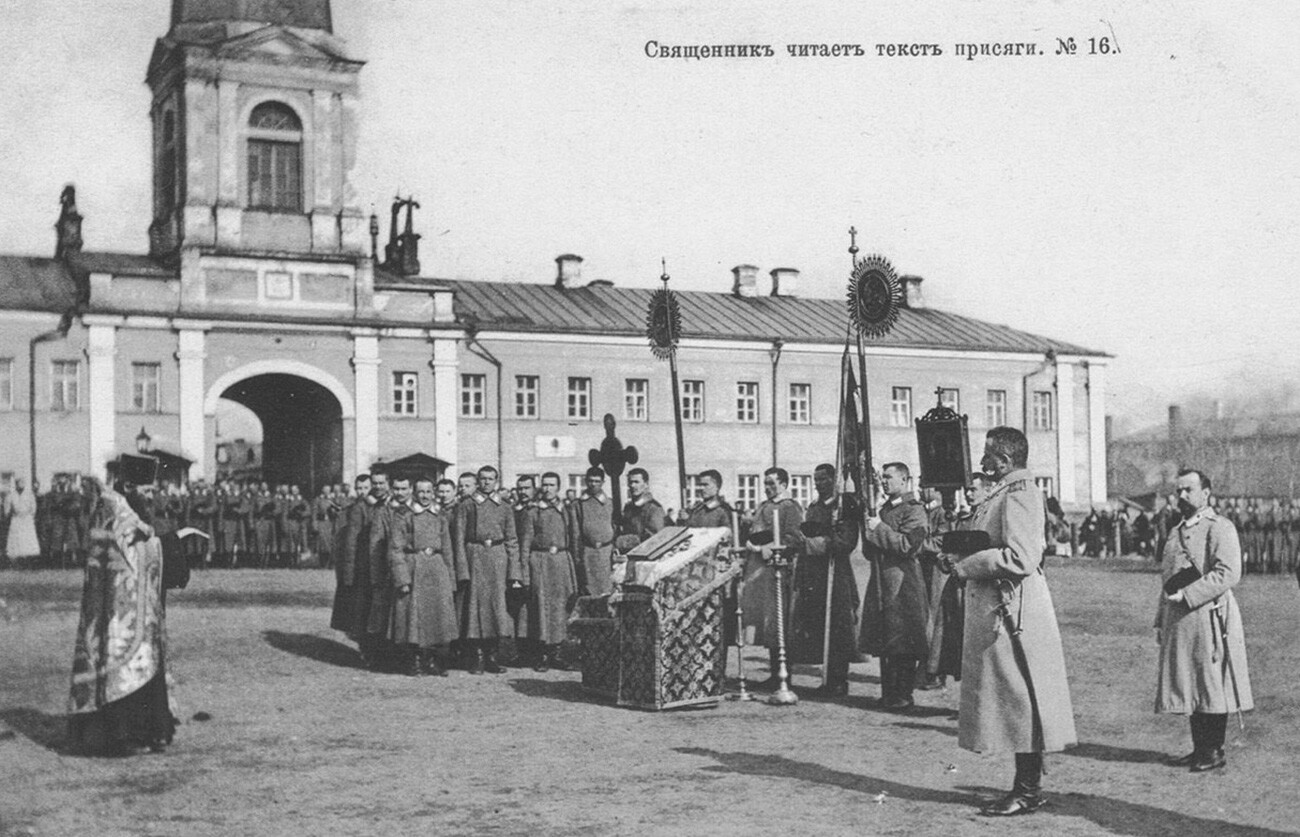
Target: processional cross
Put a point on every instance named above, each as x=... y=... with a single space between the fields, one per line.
x=611 y=458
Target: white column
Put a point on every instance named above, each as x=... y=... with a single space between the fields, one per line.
x=1065 y=432
x=1097 y=430
x=191 y=352
x=365 y=365
x=445 y=408
x=101 y=350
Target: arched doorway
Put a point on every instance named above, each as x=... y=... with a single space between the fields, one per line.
x=302 y=429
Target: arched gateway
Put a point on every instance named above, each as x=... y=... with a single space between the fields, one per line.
x=301 y=410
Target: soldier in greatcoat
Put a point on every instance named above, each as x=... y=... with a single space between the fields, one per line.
x=895 y=610
x=1199 y=674
x=1014 y=693
x=525 y=494
x=593 y=536
x=234 y=519
x=487 y=560
x=421 y=571
x=547 y=572
x=938 y=521
x=264 y=524
x=297 y=516
x=387 y=518
x=642 y=513
x=321 y=535
x=351 y=612
x=830 y=531
x=711 y=510
x=203 y=516
x=778 y=512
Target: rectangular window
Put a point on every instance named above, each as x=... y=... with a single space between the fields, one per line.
x=274 y=175
x=580 y=398
x=1045 y=485
x=692 y=490
x=577 y=484
x=995 y=408
x=801 y=489
x=6 y=383
x=64 y=389
x=636 y=393
x=692 y=401
x=1042 y=411
x=800 y=403
x=900 y=407
x=406 y=393
x=145 y=381
x=747 y=402
x=472 y=400
x=526 y=395
x=747 y=492
x=950 y=398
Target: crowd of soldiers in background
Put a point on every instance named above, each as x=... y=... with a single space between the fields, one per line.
x=250 y=524
x=1269 y=528
x=255 y=524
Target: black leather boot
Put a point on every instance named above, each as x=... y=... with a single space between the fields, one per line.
x=476 y=661
x=412 y=665
x=490 y=664
x=1026 y=793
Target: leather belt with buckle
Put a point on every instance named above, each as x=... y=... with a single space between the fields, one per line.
x=488 y=542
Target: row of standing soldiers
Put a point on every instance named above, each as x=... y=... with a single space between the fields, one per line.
x=248 y=523
x=1270 y=532
x=432 y=574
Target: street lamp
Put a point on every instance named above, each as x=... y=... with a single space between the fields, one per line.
x=142 y=441
x=775 y=354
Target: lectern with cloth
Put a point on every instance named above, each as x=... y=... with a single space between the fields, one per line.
x=657 y=641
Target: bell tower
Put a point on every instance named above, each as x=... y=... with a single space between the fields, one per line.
x=254 y=132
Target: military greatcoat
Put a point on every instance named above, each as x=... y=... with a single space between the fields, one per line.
x=759 y=597
x=548 y=571
x=593 y=542
x=1006 y=580
x=351 y=612
x=1193 y=675
x=808 y=611
x=487 y=556
x=420 y=557
x=388 y=517
x=895 y=610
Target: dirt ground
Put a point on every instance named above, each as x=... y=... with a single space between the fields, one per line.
x=302 y=741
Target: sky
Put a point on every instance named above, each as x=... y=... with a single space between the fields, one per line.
x=1144 y=203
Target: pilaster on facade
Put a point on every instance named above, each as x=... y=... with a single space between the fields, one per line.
x=1065 y=442
x=444 y=364
x=1097 y=429
x=191 y=355
x=365 y=366
x=101 y=352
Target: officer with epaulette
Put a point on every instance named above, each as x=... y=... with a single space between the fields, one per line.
x=487 y=559
x=712 y=510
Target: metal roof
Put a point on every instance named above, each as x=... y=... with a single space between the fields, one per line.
x=45 y=284
x=604 y=309
x=32 y=283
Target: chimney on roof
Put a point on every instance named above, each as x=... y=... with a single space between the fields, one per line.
x=912 y=297
x=746 y=283
x=785 y=281
x=68 y=227
x=568 y=272
x=1175 y=421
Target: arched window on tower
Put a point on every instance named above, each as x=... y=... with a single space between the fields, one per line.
x=274 y=158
